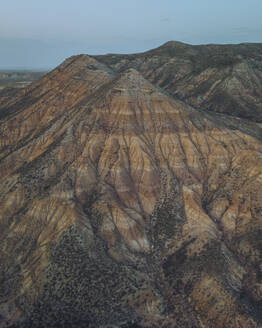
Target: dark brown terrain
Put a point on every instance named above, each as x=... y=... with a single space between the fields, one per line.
x=131 y=191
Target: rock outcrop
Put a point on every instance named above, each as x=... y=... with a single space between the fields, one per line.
x=124 y=206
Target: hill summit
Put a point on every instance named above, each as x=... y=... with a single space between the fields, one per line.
x=131 y=191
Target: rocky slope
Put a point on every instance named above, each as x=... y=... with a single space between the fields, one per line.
x=123 y=206
x=221 y=78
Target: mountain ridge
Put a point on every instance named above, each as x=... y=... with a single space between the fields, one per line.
x=123 y=205
x=201 y=75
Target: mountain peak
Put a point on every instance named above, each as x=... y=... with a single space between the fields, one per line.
x=172 y=43
x=122 y=206
x=133 y=80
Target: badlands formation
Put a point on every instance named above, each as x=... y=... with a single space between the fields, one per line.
x=131 y=192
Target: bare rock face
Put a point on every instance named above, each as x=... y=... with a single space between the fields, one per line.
x=219 y=78
x=123 y=206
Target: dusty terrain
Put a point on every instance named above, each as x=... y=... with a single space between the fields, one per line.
x=131 y=192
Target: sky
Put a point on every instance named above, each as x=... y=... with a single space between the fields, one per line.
x=37 y=34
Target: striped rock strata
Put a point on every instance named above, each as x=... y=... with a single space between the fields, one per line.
x=122 y=206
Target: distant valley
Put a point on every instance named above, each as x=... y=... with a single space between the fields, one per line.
x=18 y=78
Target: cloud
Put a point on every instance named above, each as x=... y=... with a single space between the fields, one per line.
x=163 y=20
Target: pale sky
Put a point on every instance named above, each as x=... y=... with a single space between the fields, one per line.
x=42 y=33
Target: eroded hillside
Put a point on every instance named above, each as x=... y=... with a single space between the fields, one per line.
x=122 y=205
x=219 y=78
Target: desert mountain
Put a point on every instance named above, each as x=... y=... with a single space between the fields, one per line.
x=131 y=192
x=221 y=78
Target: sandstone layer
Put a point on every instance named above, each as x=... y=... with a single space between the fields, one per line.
x=124 y=206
